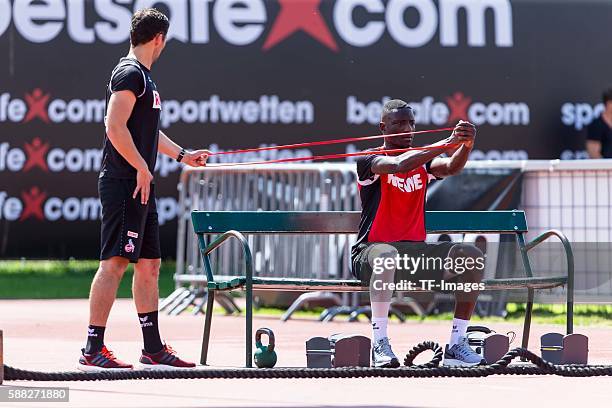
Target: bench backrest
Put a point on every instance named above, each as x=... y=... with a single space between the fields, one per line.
x=347 y=222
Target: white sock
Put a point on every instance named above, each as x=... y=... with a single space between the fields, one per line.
x=380 y=310
x=380 y=317
x=459 y=330
x=379 y=328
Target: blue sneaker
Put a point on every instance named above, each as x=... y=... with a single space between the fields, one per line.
x=382 y=355
x=462 y=355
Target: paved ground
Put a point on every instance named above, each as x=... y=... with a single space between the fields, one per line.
x=47 y=335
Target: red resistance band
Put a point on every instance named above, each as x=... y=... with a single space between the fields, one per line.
x=329 y=142
x=336 y=156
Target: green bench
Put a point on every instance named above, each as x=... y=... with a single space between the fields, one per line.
x=233 y=224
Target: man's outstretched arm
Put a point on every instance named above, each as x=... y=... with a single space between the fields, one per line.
x=408 y=161
x=169 y=148
x=464 y=133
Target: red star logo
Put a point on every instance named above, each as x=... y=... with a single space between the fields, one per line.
x=36 y=154
x=37 y=106
x=458 y=105
x=33 y=201
x=296 y=15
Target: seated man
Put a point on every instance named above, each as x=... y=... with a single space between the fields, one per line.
x=392 y=189
x=599 y=132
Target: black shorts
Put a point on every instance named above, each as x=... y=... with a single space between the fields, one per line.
x=429 y=270
x=129 y=229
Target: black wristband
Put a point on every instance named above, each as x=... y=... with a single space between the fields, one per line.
x=181 y=155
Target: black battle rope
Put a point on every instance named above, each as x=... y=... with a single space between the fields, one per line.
x=430 y=369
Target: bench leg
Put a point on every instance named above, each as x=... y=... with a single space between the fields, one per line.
x=527 y=324
x=249 y=327
x=570 y=311
x=210 y=302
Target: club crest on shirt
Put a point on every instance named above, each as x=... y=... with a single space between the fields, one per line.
x=156 y=100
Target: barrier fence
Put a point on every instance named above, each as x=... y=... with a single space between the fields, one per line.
x=572 y=196
x=576 y=198
x=300 y=187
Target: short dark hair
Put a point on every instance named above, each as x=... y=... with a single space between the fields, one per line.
x=607 y=96
x=393 y=106
x=146 y=24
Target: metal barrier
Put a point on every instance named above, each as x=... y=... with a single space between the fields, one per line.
x=306 y=187
x=573 y=196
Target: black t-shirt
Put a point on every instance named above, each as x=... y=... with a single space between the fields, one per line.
x=143 y=123
x=600 y=131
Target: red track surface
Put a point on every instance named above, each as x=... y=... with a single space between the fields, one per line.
x=47 y=335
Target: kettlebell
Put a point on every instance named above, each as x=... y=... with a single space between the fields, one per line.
x=265 y=356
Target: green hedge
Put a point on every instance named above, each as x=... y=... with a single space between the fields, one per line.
x=64 y=279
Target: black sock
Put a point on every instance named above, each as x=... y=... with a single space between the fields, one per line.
x=150 y=332
x=95 y=339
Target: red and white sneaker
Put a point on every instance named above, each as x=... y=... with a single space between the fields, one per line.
x=103 y=360
x=165 y=359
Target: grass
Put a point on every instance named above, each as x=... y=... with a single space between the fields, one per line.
x=584 y=315
x=71 y=279
x=64 y=279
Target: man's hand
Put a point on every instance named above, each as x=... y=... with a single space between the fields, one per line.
x=197 y=158
x=143 y=184
x=464 y=133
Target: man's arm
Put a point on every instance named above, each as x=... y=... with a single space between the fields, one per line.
x=449 y=166
x=169 y=148
x=463 y=133
x=407 y=161
x=593 y=147
x=120 y=108
x=593 y=140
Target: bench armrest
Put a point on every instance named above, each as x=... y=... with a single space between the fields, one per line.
x=568 y=254
x=221 y=239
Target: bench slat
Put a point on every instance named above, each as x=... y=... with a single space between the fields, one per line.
x=347 y=222
x=290 y=284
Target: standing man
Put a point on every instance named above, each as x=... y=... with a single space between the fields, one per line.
x=393 y=190
x=130 y=230
x=599 y=132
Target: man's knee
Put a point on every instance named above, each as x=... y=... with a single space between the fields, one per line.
x=381 y=251
x=473 y=261
x=466 y=251
x=148 y=267
x=114 y=267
